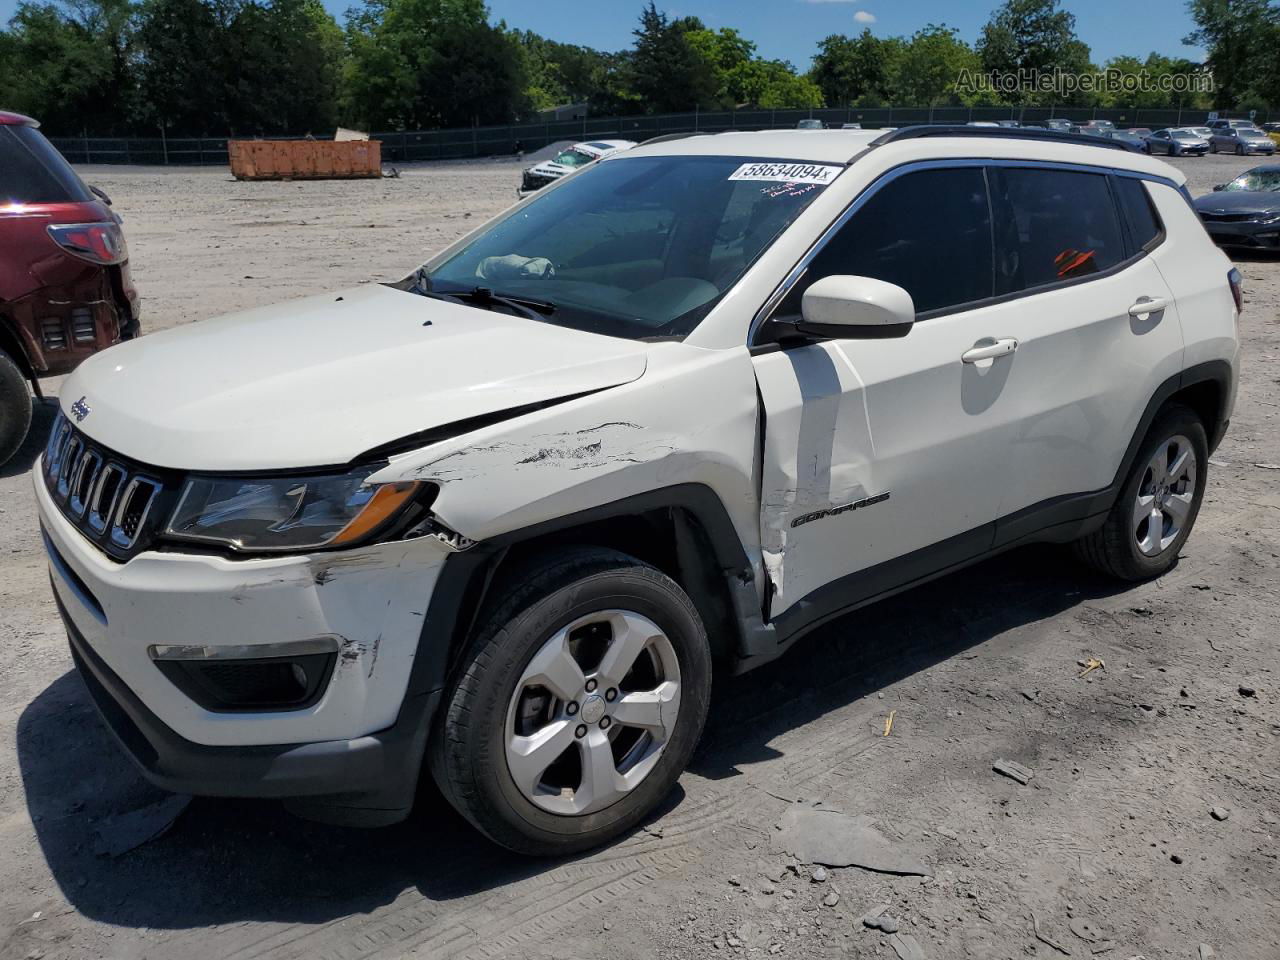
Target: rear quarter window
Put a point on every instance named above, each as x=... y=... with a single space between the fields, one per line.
x=1144 y=225
x=32 y=171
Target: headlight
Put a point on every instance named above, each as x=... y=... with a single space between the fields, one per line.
x=288 y=513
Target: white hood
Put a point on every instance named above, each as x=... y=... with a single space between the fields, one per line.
x=318 y=381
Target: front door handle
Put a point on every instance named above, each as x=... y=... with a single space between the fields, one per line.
x=990 y=350
x=1147 y=305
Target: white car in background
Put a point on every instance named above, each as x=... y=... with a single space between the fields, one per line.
x=569 y=160
x=505 y=518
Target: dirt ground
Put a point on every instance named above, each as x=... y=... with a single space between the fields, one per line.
x=1113 y=838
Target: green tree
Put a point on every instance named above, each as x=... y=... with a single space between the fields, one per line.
x=289 y=54
x=731 y=57
x=185 y=62
x=430 y=63
x=785 y=89
x=70 y=64
x=562 y=73
x=925 y=72
x=1154 y=66
x=1033 y=36
x=855 y=69
x=668 y=73
x=1242 y=38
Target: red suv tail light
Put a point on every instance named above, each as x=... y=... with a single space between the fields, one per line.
x=1236 y=279
x=101 y=243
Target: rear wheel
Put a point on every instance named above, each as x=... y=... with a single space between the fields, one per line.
x=1239 y=150
x=579 y=703
x=15 y=408
x=1158 y=504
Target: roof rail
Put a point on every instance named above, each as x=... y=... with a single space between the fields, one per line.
x=999 y=133
x=663 y=138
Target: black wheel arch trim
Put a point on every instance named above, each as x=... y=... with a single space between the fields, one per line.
x=463 y=583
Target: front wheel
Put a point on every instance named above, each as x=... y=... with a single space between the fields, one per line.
x=578 y=704
x=1158 y=504
x=15 y=408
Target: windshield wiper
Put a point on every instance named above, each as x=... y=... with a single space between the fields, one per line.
x=515 y=302
x=483 y=296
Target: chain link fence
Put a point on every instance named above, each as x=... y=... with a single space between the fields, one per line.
x=468 y=142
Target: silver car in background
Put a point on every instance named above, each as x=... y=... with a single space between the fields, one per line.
x=1177 y=142
x=1241 y=141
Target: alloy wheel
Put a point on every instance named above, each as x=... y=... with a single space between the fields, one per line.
x=592 y=712
x=1165 y=496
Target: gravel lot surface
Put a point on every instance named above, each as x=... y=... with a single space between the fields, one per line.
x=1112 y=841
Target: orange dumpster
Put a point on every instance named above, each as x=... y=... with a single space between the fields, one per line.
x=304 y=159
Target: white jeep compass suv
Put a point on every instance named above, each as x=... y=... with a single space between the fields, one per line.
x=675 y=411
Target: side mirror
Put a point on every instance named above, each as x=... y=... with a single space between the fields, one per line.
x=1219 y=186
x=844 y=307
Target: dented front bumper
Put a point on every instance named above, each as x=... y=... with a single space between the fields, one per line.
x=353 y=736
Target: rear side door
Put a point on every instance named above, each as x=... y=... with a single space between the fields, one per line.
x=1097 y=330
x=884 y=458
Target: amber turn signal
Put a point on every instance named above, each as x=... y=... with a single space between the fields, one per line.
x=389 y=500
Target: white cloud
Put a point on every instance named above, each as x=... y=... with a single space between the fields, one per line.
x=864 y=16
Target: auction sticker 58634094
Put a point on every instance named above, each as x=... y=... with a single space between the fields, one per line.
x=787 y=172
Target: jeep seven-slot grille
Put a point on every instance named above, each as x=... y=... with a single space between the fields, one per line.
x=116 y=503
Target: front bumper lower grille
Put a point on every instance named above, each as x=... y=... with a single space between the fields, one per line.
x=116 y=503
x=536 y=181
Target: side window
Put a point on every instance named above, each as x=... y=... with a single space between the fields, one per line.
x=1051 y=226
x=929 y=232
x=1139 y=214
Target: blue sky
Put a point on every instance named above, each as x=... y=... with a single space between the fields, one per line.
x=790 y=29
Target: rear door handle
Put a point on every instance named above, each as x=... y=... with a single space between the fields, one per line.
x=989 y=351
x=1147 y=305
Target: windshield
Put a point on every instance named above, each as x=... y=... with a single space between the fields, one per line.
x=1260 y=179
x=1185 y=135
x=573 y=158
x=637 y=247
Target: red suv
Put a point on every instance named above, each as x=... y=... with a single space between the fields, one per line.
x=65 y=289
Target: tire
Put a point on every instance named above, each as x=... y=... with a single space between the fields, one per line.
x=1213 y=146
x=1127 y=547
x=492 y=706
x=1239 y=150
x=15 y=408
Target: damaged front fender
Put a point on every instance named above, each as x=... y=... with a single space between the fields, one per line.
x=691 y=418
